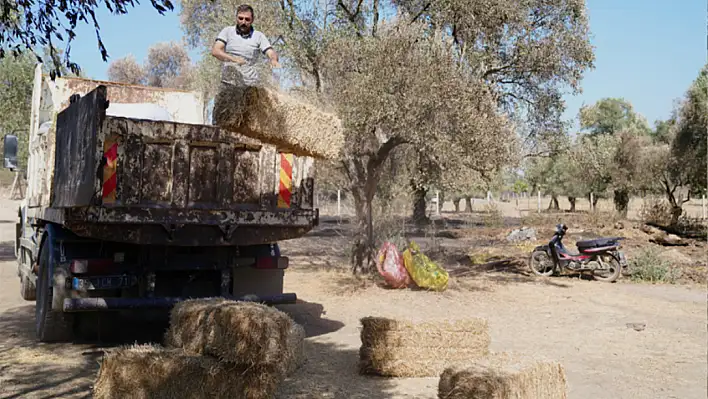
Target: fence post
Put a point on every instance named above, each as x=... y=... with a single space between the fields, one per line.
x=592 y=202
x=539 y=201
x=339 y=203
x=437 y=202
x=703 y=205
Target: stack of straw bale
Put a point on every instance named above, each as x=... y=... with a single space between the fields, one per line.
x=153 y=372
x=276 y=118
x=215 y=348
x=504 y=376
x=402 y=349
x=235 y=332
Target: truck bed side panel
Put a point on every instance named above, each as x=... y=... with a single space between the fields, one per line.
x=165 y=164
x=75 y=162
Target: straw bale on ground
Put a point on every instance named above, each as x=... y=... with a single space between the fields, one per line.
x=244 y=333
x=403 y=349
x=295 y=356
x=277 y=118
x=504 y=376
x=152 y=372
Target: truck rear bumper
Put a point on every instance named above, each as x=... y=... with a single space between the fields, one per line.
x=103 y=304
x=191 y=227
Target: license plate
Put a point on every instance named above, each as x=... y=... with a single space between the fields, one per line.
x=104 y=282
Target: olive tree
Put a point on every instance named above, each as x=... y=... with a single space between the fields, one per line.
x=617 y=133
x=126 y=70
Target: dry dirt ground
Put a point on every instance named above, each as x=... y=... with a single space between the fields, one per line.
x=581 y=323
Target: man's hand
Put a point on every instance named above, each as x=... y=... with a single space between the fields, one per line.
x=238 y=60
x=274 y=64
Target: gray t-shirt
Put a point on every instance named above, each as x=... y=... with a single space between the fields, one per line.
x=246 y=47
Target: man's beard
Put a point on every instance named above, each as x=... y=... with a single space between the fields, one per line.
x=243 y=28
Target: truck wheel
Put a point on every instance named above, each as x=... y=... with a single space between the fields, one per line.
x=27 y=289
x=51 y=326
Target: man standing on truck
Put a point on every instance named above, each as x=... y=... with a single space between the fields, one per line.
x=238 y=46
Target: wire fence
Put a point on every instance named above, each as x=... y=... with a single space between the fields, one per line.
x=340 y=204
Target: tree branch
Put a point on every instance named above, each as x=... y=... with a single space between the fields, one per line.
x=376 y=18
x=383 y=152
x=350 y=15
x=491 y=71
x=421 y=12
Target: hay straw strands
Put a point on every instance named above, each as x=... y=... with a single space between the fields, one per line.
x=243 y=333
x=403 y=349
x=295 y=355
x=504 y=376
x=152 y=372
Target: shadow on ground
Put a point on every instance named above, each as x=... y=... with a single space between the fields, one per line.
x=29 y=369
x=330 y=370
x=7 y=251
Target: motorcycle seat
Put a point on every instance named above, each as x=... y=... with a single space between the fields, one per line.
x=597 y=243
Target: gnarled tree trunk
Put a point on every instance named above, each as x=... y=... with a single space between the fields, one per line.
x=572 y=203
x=365 y=175
x=621 y=200
x=553 y=205
x=419 y=206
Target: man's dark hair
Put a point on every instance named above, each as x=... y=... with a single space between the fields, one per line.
x=246 y=8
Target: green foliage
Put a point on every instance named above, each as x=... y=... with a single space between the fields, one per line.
x=691 y=140
x=611 y=116
x=647 y=265
x=16 y=75
x=520 y=186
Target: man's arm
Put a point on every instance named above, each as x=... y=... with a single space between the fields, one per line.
x=268 y=50
x=218 y=51
x=273 y=57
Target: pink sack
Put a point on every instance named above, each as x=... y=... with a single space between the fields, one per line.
x=391 y=267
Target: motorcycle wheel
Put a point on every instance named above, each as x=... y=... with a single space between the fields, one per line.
x=615 y=268
x=541 y=264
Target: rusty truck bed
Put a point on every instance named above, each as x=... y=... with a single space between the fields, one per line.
x=155 y=182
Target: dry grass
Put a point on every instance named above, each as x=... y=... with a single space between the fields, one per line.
x=403 y=349
x=237 y=332
x=279 y=119
x=152 y=372
x=504 y=376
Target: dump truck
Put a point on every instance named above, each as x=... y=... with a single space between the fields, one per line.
x=134 y=202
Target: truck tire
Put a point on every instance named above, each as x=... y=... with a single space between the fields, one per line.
x=27 y=289
x=51 y=326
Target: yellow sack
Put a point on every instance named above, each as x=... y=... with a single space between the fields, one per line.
x=425 y=272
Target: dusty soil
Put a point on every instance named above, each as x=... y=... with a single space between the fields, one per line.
x=581 y=323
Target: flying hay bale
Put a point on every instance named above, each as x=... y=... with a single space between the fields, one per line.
x=243 y=333
x=277 y=118
x=504 y=376
x=402 y=349
x=152 y=372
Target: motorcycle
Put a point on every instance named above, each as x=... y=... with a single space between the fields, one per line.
x=600 y=256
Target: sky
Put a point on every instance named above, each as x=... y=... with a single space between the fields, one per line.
x=647 y=51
